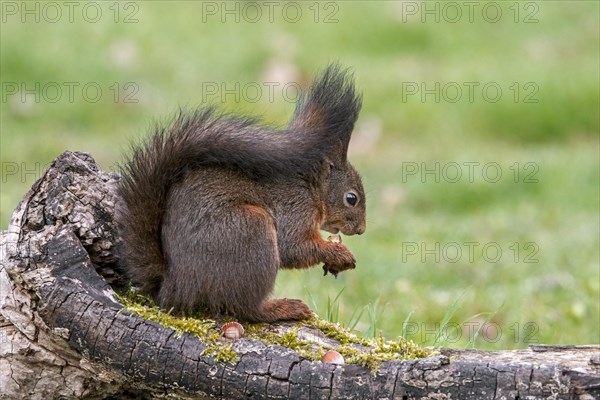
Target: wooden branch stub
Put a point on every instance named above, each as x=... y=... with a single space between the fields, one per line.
x=64 y=333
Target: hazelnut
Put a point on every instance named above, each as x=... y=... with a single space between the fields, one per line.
x=335 y=239
x=233 y=330
x=333 y=357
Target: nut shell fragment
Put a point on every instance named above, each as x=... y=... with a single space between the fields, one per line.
x=335 y=239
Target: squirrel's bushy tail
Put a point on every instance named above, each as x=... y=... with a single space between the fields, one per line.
x=202 y=137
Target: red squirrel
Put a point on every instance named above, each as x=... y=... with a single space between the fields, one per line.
x=215 y=204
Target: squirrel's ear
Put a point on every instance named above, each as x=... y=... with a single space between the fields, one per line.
x=336 y=154
x=328 y=112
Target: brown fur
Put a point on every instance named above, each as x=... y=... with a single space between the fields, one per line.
x=214 y=206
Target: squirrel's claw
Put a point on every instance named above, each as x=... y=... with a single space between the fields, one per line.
x=327 y=268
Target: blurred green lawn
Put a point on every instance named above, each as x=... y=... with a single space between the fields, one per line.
x=540 y=132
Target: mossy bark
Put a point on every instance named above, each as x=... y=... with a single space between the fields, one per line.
x=64 y=333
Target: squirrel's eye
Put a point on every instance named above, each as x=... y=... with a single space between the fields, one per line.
x=350 y=198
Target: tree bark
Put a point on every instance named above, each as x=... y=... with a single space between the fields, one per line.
x=63 y=332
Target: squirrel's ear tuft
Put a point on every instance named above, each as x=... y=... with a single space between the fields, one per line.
x=330 y=108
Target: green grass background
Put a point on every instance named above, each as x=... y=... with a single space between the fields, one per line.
x=169 y=51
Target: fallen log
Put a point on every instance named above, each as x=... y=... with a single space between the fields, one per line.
x=65 y=333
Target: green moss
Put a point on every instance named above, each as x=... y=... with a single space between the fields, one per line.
x=289 y=340
x=144 y=307
x=378 y=350
x=355 y=350
x=335 y=331
x=204 y=328
x=381 y=350
x=222 y=353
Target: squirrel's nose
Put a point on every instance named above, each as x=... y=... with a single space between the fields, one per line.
x=360 y=229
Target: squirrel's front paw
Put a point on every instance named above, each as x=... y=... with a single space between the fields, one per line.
x=342 y=260
x=335 y=269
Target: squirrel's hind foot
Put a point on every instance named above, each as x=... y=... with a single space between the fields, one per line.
x=284 y=310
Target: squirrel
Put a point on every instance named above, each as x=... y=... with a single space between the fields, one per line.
x=214 y=205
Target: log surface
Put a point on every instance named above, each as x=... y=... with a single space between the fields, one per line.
x=64 y=333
